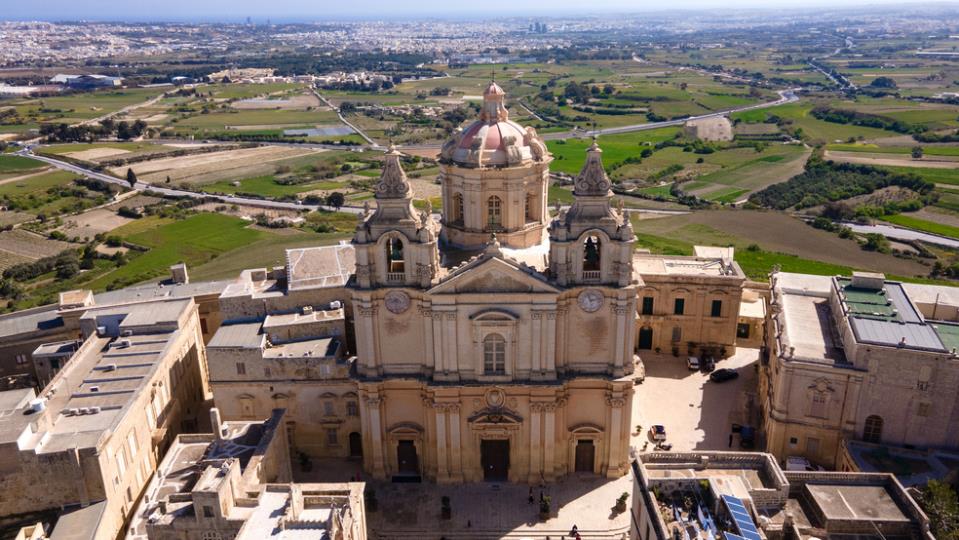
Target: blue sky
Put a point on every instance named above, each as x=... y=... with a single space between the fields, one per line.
x=313 y=10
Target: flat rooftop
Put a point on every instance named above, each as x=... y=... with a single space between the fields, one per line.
x=316 y=267
x=809 y=329
x=645 y=264
x=886 y=316
x=95 y=389
x=856 y=502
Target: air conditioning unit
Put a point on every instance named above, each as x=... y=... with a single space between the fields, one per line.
x=307 y=310
x=126 y=333
x=84 y=410
x=94 y=388
x=121 y=344
x=336 y=304
x=73 y=412
x=94 y=410
x=110 y=367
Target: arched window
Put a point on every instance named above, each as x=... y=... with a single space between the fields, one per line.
x=592 y=253
x=494 y=355
x=394 y=255
x=494 y=212
x=457 y=208
x=872 y=430
x=530 y=208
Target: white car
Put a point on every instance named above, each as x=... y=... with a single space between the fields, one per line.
x=692 y=363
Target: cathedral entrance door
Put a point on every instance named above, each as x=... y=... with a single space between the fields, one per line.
x=356 y=445
x=645 y=338
x=585 y=456
x=495 y=460
x=406 y=459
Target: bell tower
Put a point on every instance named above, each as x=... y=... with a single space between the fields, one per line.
x=592 y=243
x=395 y=246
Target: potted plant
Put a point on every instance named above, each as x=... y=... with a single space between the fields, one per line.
x=621 y=502
x=371 y=503
x=446 y=509
x=544 y=507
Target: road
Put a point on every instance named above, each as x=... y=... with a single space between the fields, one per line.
x=145 y=186
x=358 y=131
x=785 y=96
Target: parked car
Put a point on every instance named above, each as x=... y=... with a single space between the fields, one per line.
x=692 y=363
x=723 y=375
x=709 y=364
x=657 y=433
x=747 y=437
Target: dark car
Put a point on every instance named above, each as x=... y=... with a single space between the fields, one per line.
x=708 y=364
x=723 y=375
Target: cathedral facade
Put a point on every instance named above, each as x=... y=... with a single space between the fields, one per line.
x=496 y=343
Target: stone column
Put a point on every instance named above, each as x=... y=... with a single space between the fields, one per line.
x=442 y=469
x=376 y=434
x=536 y=340
x=614 y=467
x=439 y=355
x=449 y=344
x=550 y=365
x=621 y=312
x=456 y=451
x=366 y=351
x=549 y=441
x=430 y=352
x=535 y=434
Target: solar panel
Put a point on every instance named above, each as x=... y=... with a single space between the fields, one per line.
x=744 y=521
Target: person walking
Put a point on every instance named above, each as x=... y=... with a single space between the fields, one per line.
x=730 y=440
x=531 y=495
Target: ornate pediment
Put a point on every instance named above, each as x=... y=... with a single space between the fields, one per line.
x=493 y=275
x=495 y=416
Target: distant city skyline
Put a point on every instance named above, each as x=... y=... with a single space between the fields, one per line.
x=308 y=11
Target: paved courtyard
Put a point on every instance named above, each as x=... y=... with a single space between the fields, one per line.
x=492 y=510
x=696 y=412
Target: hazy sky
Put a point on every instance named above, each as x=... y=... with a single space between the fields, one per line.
x=312 y=10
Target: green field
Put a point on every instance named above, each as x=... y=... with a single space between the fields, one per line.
x=569 y=155
x=75 y=108
x=813 y=129
x=267 y=186
x=258 y=117
x=910 y=222
x=35 y=185
x=18 y=164
x=194 y=241
x=131 y=147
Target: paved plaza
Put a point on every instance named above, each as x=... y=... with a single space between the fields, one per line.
x=696 y=412
x=492 y=510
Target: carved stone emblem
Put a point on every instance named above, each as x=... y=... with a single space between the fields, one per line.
x=590 y=300
x=397 y=301
x=495 y=398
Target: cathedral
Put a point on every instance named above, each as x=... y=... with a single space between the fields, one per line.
x=498 y=342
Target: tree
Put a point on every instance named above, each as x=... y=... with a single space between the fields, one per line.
x=131 y=177
x=609 y=89
x=336 y=200
x=916 y=152
x=938 y=500
x=883 y=82
x=876 y=242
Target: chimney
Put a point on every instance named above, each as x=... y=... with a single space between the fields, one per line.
x=178 y=274
x=219 y=431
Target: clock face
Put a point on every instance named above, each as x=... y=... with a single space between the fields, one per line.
x=590 y=300
x=397 y=301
